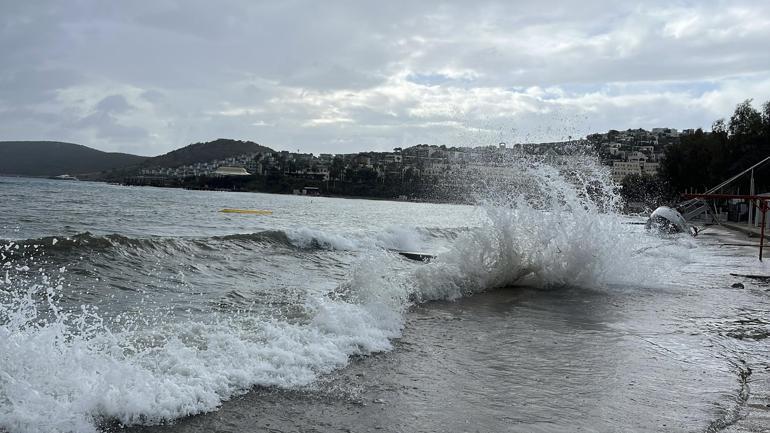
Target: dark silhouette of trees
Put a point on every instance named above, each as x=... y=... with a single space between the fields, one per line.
x=337 y=168
x=766 y=118
x=702 y=160
x=644 y=188
x=719 y=127
x=746 y=121
x=698 y=161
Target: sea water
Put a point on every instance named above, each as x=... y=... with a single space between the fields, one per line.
x=544 y=310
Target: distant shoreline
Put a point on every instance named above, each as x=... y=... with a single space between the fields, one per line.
x=340 y=196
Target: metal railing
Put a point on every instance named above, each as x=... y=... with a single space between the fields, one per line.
x=687 y=207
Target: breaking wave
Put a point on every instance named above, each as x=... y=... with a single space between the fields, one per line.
x=393 y=238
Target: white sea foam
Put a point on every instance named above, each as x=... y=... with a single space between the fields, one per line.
x=68 y=372
x=305 y=237
x=401 y=238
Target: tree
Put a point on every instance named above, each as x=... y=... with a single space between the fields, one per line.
x=719 y=127
x=409 y=175
x=337 y=169
x=365 y=175
x=698 y=161
x=644 y=188
x=746 y=121
x=702 y=160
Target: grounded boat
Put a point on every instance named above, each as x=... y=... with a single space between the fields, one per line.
x=667 y=220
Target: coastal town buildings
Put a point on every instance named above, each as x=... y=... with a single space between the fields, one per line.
x=635 y=151
x=630 y=152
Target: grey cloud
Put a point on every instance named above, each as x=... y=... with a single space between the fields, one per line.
x=332 y=77
x=152 y=96
x=114 y=104
x=108 y=127
x=160 y=74
x=23 y=86
x=105 y=123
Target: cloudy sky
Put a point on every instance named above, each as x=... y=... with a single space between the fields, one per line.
x=146 y=77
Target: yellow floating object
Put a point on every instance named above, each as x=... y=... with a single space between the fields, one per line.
x=248 y=211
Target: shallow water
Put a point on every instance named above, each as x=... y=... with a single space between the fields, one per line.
x=520 y=359
x=139 y=306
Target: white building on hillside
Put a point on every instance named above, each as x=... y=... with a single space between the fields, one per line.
x=621 y=169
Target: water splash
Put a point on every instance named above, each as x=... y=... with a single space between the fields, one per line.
x=550 y=221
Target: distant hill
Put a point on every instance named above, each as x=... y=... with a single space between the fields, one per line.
x=52 y=158
x=202 y=152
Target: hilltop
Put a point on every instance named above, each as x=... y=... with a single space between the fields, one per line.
x=52 y=158
x=218 y=149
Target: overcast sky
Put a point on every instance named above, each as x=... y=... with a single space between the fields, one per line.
x=146 y=77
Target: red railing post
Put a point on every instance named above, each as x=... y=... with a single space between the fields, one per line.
x=763 y=207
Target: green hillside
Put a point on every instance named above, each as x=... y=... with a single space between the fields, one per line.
x=202 y=152
x=52 y=158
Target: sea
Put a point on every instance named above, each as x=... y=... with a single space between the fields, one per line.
x=543 y=308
